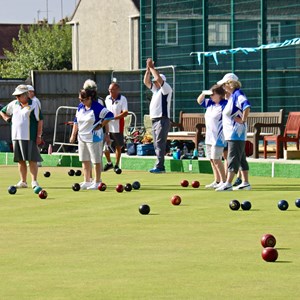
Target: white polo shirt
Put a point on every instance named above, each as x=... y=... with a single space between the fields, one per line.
x=87 y=119
x=24 y=119
x=213 y=121
x=116 y=106
x=161 y=101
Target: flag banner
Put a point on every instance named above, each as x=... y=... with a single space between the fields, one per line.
x=214 y=54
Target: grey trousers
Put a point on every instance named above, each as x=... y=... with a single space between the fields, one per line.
x=236 y=158
x=160 y=129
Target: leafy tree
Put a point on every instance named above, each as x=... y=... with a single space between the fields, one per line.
x=42 y=47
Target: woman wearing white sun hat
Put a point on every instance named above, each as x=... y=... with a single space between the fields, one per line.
x=235 y=132
x=27 y=128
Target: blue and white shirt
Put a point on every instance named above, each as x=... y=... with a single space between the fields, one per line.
x=161 y=101
x=237 y=103
x=213 y=122
x=88 y=119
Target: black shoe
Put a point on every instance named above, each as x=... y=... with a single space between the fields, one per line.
x=237 y=182
x=108 y=167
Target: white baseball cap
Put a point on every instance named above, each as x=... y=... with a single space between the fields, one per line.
x=227 y=77
x=30 y=87
x=162 y=76
x=20 y=89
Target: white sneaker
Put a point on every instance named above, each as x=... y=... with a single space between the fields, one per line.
x=213 y=185
x=34 y=184
x=219 y=184
x=85 y=185
x=94 y=186
x=21 y=185
x=224 y=187
x=243 y=187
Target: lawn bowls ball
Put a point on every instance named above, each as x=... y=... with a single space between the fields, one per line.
x=144 y=209
x=184 y=183
x=118 y=171
x=297 y=203
x=12 y=189
x=128 y=187
x=102 y=187
x=43 y=194
x=76 y=187
x=246 y=205
x=234 y=205
x=119 y=188
x=195 y=184
x=176 y=200
x=283 y=205
x=268 y=240
x=47 y=174
x=37 y=189
x=78 y=173
x=71 y=172
x=136 y=185
x=269 y=254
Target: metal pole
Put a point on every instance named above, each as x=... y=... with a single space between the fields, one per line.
x=62 y=9
x=263 y=56
x=232 y=28
x=153 y=30
x=47 y=11
x=205 y=66
x=142 y=51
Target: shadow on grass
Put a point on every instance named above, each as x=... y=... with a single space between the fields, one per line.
x=277 y=188
x=283 y=262
x=283 y=248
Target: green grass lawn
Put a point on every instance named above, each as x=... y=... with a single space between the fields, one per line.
x=96 y=245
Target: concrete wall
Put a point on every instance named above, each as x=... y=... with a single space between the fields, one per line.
x=105 y=35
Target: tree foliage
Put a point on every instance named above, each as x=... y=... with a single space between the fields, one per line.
x=42 y=47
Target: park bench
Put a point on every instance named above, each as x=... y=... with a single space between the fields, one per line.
x=262 y=124
x=191 y=126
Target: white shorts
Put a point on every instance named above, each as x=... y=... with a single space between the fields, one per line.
x=90 y=151
x=214 y=152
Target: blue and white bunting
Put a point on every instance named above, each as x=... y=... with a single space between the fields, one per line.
x=214 y=54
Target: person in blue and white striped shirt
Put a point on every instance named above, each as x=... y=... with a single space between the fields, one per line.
x=235 y=132
x=214 y=102
x=90 y=119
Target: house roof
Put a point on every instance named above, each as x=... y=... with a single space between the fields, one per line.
x=7 y=33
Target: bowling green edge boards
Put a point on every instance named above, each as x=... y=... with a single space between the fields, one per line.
x=259 y=167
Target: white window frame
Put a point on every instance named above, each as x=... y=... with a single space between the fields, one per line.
x=220 y=38
x=269 y=37
x=166 y=31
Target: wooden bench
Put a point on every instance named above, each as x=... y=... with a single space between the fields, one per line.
x=261 y=124
x=191 y=127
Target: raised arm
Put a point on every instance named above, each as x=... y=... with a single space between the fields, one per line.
x=154 y=72
x=147 y=80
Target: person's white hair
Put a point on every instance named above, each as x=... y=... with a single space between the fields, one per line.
x=90 y=84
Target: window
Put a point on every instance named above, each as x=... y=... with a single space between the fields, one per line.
x=167 y=33
x=273 y=33
x=219 y=34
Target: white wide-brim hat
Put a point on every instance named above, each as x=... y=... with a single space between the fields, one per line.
x=20 y=89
